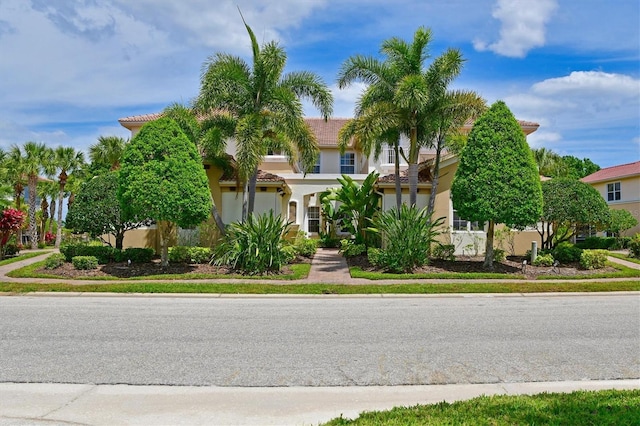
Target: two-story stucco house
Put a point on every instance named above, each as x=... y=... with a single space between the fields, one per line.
x=287 y=191
x=620 y=187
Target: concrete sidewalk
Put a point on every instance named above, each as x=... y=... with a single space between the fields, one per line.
x=52 y=404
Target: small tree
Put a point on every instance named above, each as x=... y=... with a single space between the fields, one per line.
x=10 y=221
x=358 y=205
x=497 y=179
x=96 y=210
x=620 y=220
x=569 y=205
x=162 y=178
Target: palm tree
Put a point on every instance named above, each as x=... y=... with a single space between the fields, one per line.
x=34 y=158
x=261 y=109
x=67 y=160
x=400 y=93
x=448 y=111
x=549 y=163
x=107 y=151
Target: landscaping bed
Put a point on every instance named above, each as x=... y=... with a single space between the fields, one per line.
x=512 y=267
x=148 y=269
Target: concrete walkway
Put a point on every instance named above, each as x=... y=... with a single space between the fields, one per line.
x=88 y=404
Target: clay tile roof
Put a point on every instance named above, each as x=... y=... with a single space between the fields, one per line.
x=326 y=131
x=263 y=177
x=614 y=172
x=140 y=118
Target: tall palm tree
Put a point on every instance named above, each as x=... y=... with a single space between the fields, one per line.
x=399 y=93
x=261 y=108
x=35 y=159
x=66 y=160
x=447 y=113
x=549 y=163
x=107 y=151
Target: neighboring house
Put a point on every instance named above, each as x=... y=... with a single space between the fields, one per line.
x=287 y=191
x=620 y=187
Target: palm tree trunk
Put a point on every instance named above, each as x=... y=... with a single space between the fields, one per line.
x=252 y=191
x=18 y=196
x=413 y=167
x=488 y=255
x=33 y=229
x=59 y=222
x=44 y=208
x=434 y=180
x=217 y=218
x=396 y=148
x=52 y=214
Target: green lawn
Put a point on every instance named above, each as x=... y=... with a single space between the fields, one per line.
x=610 y=407
x=319 y=288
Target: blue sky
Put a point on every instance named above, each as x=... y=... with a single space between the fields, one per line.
x=70 y=68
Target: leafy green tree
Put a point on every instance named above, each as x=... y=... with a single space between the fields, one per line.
x=66 y=160
x=497 y=180
x=162 y=178
x=577 y=168
x=568 y=206
x=358 y=205
x=96 y=210
x=549 y=163
x=261 y=109
x=404 y=98
x=33 y=159
x=620 y=220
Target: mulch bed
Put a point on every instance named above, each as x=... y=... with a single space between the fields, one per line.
x=510 y=266
x=122 y=270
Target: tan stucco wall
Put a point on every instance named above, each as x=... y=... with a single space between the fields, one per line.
x=630 y=198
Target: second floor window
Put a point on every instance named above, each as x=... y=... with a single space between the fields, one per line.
x=348 y=163
x=613 y=191
x=316 y=167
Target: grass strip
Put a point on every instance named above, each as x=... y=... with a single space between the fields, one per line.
x=608 y=407
x=623 y=272
x=298 y=271
x=20 y=257
x=338 y=289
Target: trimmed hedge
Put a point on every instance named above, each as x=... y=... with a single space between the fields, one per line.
x=593 y=259
x=106 y=254
x=603 y=243
x=54 y=261
x=567 y=253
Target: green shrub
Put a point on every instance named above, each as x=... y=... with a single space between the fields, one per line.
x=634 y=246
x=593 y=259
x=254 y=247
x=326 y=240
x=85 y=262
x=603 y=243
x=289 y=253
x=305 y=246
x=349 y=248
x=444 y=251
x=406 y=237
x=54 y=261
x=567 y=253
x=374 y=256
x=134 y=254
x=543 y=260
x=187 y=254
x=104 y=254
x=621 y=243
x=11 y=249
x=498 y=255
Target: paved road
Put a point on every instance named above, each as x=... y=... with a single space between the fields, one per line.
x=318 y=341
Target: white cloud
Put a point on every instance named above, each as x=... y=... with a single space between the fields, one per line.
x=523 y=26
x=541 y=138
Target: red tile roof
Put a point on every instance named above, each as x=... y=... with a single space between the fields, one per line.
x=424 y=175
x=614 y=172
x=326 y=131
x=262 y=177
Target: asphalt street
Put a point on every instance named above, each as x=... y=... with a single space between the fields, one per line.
x=318 y=341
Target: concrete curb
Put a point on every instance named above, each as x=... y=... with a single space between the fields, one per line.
x=88 y=404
